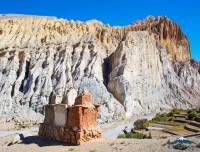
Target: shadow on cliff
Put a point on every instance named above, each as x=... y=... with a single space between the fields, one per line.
x=40 y=141
x=106 y=69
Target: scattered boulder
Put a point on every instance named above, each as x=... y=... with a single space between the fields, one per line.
x=17 y=139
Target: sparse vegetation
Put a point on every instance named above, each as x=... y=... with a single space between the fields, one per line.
x=121 y=136
x=135 y=136
x=192 y=115
x=178 y=119
x=171 y=118
x=176 y=111
x=171 y=123
x=141 y=124
x=26 y=124
x=177 y=128
x=159 y=118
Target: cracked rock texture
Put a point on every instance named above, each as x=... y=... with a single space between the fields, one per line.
x=144 y=80
x=141 y=68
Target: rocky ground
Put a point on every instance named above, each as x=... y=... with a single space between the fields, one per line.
x=28 y=140
x=34 y=143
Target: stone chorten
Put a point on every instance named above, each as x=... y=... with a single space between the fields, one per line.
x=72 y=124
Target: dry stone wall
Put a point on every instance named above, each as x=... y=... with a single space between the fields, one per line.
x=69 y=136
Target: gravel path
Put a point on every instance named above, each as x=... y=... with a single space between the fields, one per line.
x=114 y=132
x=110 y=130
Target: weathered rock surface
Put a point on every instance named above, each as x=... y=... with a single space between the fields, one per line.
x=169 y=35
x=143 y=78
x=23 y=31
x=127 y=72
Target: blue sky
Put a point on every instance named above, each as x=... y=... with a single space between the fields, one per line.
x=116 y=12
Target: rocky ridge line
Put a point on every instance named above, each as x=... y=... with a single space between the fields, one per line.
x=24 y=31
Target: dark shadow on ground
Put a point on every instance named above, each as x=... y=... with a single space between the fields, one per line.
x=41 y=141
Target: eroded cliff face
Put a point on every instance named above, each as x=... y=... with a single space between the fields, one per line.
x=33 y=31
x=144 y=79
x=168 y=34
x=129 y=70
x=29 y=76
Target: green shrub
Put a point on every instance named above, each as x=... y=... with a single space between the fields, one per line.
x=159 y=118
x=141 y=124
x=136 y=135
x=171 y=118
x=192 y=115
x=155 y=120
x=170 y=114
x=195 y=109
x=189 y=111
x=121 y=136
x=163 y=115
x=177 y=111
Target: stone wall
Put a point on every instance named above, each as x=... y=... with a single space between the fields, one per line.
x=63 y=134
x=82 y=117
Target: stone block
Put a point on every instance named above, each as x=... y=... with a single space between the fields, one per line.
x=68 y=136
x=85 y=99
x=79 y=135
x=56 y=115
x=61 y=130
x=99 y=130
x=74 y=142
x=56 y=99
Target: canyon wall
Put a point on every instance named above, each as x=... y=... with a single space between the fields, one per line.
x=138 y=69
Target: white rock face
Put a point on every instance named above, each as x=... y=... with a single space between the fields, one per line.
x=136 y=78
x=29 y=77
x=142 y=77
x=128 y=72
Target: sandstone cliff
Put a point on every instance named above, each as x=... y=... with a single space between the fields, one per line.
x=141 y=68
x=33 y=31
x=169 y=35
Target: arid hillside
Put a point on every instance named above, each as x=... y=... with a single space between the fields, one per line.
x=139 y=69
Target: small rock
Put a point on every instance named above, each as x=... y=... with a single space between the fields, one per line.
x=16 y=139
